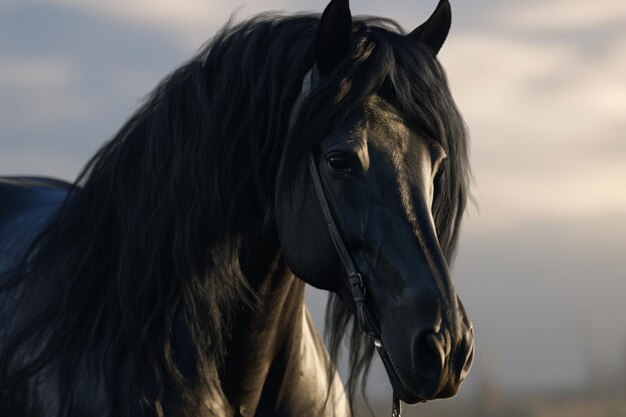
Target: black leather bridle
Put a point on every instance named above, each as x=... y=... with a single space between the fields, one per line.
x=354 y=277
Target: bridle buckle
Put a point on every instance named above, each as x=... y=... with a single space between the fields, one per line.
x=358 y=289
x=356 y=279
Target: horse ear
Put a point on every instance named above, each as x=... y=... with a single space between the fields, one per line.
x=434 y=31
x=333 y=36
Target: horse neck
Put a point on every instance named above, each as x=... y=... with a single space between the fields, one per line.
x=269 y=332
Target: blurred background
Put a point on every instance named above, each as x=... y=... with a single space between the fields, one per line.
x=542 y=85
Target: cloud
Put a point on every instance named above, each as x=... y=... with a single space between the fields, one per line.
x=69 y=80
x=190 y=22
x=564 y=15
x=55 y=162
x=547 y=121
x=36 y=73
x=33 y=85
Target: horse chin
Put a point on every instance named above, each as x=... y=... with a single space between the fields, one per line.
x=397 y=384
x=408 y=396
x=405 y=391
x=399 y=389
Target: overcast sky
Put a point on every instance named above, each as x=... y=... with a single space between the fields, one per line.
x=542 y=86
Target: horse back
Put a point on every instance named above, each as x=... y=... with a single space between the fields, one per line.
x=26 y=204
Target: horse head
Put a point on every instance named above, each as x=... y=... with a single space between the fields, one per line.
x=392 y=173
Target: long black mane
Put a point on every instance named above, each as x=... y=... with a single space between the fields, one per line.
x=152 y=231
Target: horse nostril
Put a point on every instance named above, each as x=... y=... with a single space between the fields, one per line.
x=469 y=357
x=429 y=355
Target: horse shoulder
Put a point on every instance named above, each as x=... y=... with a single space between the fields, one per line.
x=314 y=350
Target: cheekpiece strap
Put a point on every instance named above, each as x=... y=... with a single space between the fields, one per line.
x=354 y=278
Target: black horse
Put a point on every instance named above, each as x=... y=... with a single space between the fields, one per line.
x=168 y=280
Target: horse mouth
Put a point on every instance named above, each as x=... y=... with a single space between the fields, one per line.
x=397 y=385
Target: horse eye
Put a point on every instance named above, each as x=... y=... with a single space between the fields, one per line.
x=338 y=163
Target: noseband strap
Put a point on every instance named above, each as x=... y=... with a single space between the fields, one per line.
x=354 y=278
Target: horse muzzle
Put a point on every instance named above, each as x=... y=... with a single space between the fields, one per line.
x=438 y=363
